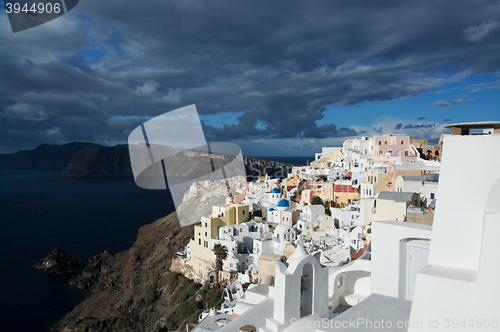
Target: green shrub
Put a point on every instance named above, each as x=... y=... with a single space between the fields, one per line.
x=150 y=293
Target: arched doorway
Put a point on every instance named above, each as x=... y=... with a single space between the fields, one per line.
x=306 y=290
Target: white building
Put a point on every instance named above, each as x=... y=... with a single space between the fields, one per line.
x=363 y=144
x=309 y=215
x=417 y=276
x=348 y=216
x=281 y=236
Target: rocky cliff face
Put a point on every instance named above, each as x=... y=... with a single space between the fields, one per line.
x=100 y=161
x=44 y=157
x=134 y=290
x=93 y=160
x=201 y=196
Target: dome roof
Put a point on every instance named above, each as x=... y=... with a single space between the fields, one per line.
x=271 y=209
x=283 y=203
x=275 y=191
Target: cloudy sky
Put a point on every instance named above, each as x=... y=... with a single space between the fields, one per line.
x=275 y=77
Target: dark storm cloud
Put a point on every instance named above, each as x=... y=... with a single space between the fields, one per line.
x=398 y=126
x=421 y=118
x=280 y=62
x=446 y=104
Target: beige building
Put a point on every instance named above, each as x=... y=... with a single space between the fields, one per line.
x=306 y=196
x=393 y=205
x=374 y=181
x=327 y=192
x=393 y=171
x=266 y=265
x=420 y=218
x=289 y=218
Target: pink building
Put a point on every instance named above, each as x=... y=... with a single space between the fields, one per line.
x=393 y=148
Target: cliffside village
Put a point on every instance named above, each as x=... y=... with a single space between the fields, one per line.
x=348 y=235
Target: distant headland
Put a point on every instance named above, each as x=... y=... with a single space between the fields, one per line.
x=79 y=159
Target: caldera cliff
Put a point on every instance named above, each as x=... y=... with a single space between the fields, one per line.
x=135 y=291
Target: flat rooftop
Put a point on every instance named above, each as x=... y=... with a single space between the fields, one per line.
x=475 y=125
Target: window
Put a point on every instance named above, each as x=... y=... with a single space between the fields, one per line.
x=199 y=242
x=379 y=142
x=243 y=212
x=205 y=233
x=385 y=142
x=432 y=195
x=336 y=199
x=402 y=142
x=222 y=214
x=206 y=224
x=406 y=153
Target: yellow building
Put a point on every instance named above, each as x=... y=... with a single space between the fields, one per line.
x=344 y=192
x=222 y=215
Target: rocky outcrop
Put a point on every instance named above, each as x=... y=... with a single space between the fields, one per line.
x=96 y=274
x=57 y=261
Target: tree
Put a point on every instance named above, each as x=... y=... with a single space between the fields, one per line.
x=317 y=201
x=327 y=208
x=220 y=252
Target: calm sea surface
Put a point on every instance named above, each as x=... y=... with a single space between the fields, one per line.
x=40 y=210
